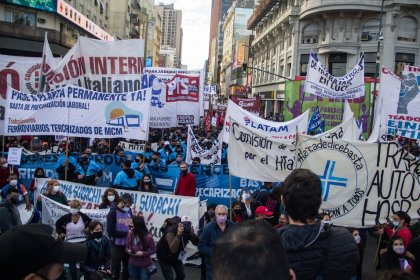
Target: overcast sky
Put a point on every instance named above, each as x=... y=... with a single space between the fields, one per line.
x=196 y=26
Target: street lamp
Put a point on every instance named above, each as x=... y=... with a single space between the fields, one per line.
x=378 y=61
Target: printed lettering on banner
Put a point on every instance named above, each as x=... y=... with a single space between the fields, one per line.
x=255 y=156
x=211 y=156
x=210 y=89
x=86 y=113
x=321 y=83
x=363 y=184
x=275 y=130
x=177 y=96
x=131 y=147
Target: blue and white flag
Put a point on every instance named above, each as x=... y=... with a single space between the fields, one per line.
x=316 y=124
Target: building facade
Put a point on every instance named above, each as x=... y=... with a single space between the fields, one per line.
x=171 y=31
x=287 y=30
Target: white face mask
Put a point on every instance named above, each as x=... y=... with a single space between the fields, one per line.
x=398 y=249
x=56 y=188
x=74 y=211
x=111 y=198
x=5 y=165
x=357 y=238
x=13 y=182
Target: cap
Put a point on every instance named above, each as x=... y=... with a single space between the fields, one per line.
x=166 y=143
x=185 y=219
x=262 y=210
x=35 y=246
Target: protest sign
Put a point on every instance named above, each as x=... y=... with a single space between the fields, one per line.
x=131 y=147
x=102 y=66
x=255 y=156
x=275 y=130
x=74 y=111
x=177 y=96
x=363 y=184
x=14 y=156
x=154 y=207
x=321 y=83
x=210 y=89
x=316 y=124
x=211 y=156
x=252 y=105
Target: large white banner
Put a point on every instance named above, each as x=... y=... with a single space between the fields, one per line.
x=363 y=184
x=211 y=156
x=154 y=207
x=177 y=96
x=102 y=66
x=321 y=83
x=79 y=112
x=276 y=130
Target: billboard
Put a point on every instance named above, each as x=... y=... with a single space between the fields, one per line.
x=45 y=5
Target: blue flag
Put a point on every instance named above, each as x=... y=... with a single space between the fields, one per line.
x=316 y=123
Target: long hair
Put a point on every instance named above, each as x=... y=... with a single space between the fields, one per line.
x=91 y=227
x=140 y=229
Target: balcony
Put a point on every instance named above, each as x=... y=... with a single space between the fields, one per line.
x=134 y=19
x=135 y=6
x=134 y=32
x=260 y=11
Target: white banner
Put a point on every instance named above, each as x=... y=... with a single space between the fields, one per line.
x=154 y=207
x=52 y=211
x=177 y=97
x=211 y=156
x=74 y=111
x=363 y=184
x=14 y=156
x=130 y=147
x=321 y=83
x=253 y=155
x=102 y=66
x=275 y=130
x=210 y=89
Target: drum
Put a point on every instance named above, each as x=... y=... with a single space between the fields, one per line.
x=80 y=239
x=25 y=215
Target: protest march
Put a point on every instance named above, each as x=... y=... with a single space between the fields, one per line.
x=135 y=165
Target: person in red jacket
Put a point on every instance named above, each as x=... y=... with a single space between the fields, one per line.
x=186 y=183
x=399 y=227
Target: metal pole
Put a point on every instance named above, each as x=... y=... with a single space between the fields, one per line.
x=378 y=60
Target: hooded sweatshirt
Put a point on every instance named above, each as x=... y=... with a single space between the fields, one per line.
x=128 y=179
x=319 y=251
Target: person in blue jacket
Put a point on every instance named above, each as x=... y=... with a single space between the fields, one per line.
x=88 y=171
x=140 y=165
x=64 y=163
x=167 y=153
x=148 y=152
x=128 y=178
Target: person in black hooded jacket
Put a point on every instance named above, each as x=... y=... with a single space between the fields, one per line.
x=316 y=250
x=127 y=178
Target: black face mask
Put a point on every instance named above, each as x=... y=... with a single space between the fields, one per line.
x=184 y=172
x=148 y=148
x=237 y=211
x=14 y=200
x=211 y=214
x=137 y=160
x=97 y=234
x=40 y=176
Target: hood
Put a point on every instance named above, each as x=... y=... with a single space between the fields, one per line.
x=297 y=237
x=129 y=172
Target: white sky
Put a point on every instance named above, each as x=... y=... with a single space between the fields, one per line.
x=196 y=27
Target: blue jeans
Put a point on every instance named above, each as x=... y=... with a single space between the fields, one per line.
x=138 y=273
x=166 y=268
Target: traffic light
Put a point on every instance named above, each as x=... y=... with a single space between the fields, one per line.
x=244 y=68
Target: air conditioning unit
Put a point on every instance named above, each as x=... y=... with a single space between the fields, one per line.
x=309 y=40
x=366 y=36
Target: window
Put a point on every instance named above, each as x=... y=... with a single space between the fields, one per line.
x=310 y=34
x=370 y=31
x=370 y=64
x=407 y=29
x=337 y=64
x=401 y=59
x=18 y=17
x=288 y=69
x=304 y=59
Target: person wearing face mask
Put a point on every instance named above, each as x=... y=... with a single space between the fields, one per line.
x=88 y=172
x=66 y=168
x=157 y=163
x=23 y=193
x=211 y=233
x=186 y=183
x=399 y=227
x=167 y=153
x=99 y=251
x=140 y=165
x=396 y=257
x=5 y=171
x=248 y=205
x=360 y=245
x=179 y=150
x=9 y=214
x=147 y=186
x=127 y=178
x=148 y=152
x=204 y=220
x=119 y=221
x=72 y=226
x=238 y=215
x=109 y=199
x=53 y=192
x=39 y=173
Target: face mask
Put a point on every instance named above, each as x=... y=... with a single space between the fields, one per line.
x=357 y=238
x=56 y=188
x=211 y=214
x=74 y=211
x=399 y=249
x=39 y=176
x=5 y=165
x=111 y=198
x=395 y=223
x=126 y=209
x=148 y=148
x=221 y=219
x=137 y=160
x=237 y=211
x=13 y=182
x=245 y=197
x=146 y=181
x=184 y=172
x=97 y=234
x=14 y=200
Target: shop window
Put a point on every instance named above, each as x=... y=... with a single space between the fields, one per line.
x=370 y=31
x=337 y=64
x=401 y=59
x=18 y=17
x=407 y=29
x=304 y=59
x=310 y=34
